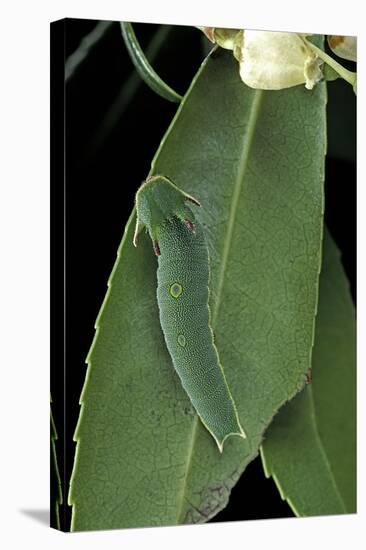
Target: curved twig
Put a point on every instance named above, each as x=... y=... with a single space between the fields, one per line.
x=144 y=68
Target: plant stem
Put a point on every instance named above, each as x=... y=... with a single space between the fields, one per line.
x=129 y=87
x=144 y=68
x=344 y=73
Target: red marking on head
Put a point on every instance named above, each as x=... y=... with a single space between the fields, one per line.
x=189 y=225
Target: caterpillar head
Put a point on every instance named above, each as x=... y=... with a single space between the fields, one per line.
x=158 y=200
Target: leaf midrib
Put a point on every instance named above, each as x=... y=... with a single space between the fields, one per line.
x=243 y=162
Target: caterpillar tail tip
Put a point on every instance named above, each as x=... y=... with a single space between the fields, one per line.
x=220 y=443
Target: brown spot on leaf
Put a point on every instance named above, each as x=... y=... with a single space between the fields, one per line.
x=309 y=377
x=212 y=500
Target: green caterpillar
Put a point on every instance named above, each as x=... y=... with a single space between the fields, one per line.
x=183 y=278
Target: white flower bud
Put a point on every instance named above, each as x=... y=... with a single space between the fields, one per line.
x=226 y=38
x=344 y=46
x=276 y=60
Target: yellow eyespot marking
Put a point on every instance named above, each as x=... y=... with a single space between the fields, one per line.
x=181 y=340
x=176 y=290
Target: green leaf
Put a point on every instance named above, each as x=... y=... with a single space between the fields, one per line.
x=56 y=488
x=310 y=449
x=255 y=161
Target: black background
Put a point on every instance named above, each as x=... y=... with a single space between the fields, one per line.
x=108 y=149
